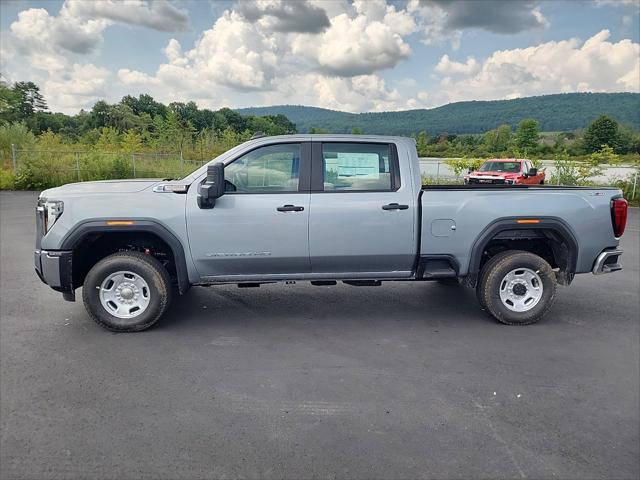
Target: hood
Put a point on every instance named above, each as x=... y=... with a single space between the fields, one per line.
x=103 y=186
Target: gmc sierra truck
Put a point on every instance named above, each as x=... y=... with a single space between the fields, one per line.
x=320 y=208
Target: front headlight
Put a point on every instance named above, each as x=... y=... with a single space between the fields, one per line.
x=52 y=210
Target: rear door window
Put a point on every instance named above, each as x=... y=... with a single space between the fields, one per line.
x=358 y=167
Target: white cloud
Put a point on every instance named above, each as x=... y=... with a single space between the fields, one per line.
x=445 y=20
x=134 y=77
x=79 y=88
x=174 y=54
x=239 y=55
x=361 y=44
x=156 y=14
x=36 y=31
x=79 y=25
x=285 y=15
x=317 y=52
x=353 y=94
x=47 y=48
x=233 y=54
x=617 y=3
x=596 y=65
x=421 y=100
x=448 y=67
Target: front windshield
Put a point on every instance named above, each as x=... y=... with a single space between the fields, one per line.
x=510 y=167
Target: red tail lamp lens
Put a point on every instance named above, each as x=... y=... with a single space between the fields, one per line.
x=619 y=215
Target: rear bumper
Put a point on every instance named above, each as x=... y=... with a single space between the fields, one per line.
x=607 y=262
x=54 y=267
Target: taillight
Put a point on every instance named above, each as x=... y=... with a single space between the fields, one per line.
x=619 y=215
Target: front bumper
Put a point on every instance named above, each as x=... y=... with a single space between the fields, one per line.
x=55 y=268
x=607 y=262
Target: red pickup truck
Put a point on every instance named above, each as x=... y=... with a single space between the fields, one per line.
x=508 y=171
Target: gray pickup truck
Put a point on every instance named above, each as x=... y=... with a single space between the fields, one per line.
x=322 y=208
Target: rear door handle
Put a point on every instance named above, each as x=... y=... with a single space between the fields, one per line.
x=290 y=208
x=395 y=206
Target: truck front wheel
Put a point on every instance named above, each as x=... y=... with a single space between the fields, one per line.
x=127 y=292
x=517 y=287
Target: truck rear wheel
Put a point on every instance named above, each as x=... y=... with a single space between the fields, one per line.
x=127 y=292
x=516 y=287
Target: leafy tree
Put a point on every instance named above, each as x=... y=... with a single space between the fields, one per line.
x=627 y=140
x=356 y=131
x=9 y=103
x=49 y=140
x=144 y=104
x=604 y=156
x=233 y=119
x=131 y=141
x=17 y=134
x=458 y=165
x=602 y=131
x=527 y=135
x=283 y=123
x=99 y=116
x=109 y=139
x=422 y=143
x=30 y=98
x=498 y=140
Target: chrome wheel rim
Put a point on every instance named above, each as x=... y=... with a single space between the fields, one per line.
x=521 y=289
x=125 y=294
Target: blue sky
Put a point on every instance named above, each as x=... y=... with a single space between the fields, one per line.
x=362 y=55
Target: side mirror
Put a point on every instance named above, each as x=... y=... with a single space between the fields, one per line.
x=213 y=186
x=533 y=172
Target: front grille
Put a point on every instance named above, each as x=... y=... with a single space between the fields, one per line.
x=487 y=181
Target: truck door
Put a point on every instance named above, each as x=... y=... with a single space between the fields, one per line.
x=260 y=225
x=361 y=215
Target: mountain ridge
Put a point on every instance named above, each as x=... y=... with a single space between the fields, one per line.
x=555 y=112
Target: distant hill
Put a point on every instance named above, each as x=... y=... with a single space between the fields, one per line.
x=561 y=112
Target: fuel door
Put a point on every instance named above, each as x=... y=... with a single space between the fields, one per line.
x=443 y=227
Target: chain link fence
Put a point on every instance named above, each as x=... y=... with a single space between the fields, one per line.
x=44 y=168
x=626 y=177
x=56 y=167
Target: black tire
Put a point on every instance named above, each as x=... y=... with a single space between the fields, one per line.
x=147 y=267
x=492 y=275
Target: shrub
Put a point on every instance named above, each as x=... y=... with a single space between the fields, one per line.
x=7 y=179
x=627 y=187
x=570 y=172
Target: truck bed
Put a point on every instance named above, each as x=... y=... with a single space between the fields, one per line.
x=455 y=217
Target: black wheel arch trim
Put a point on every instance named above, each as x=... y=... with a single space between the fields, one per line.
x=554 y=224
x=99 y=225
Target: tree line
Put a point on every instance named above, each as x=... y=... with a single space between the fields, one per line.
x=566 y=112
x=143 y=124
x=527 y=141
x=133 y=123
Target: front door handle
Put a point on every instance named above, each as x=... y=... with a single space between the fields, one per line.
x=395 y=206
x=290 y=208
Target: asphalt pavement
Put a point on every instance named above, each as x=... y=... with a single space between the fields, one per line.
x=406 y=380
